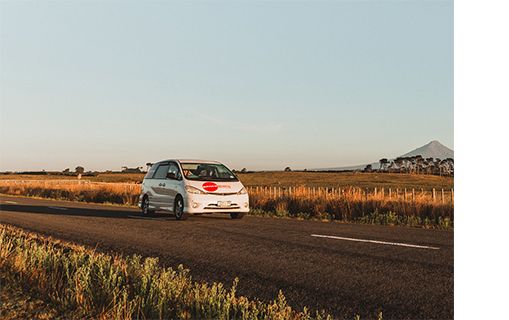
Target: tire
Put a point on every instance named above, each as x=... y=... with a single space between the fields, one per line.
x=178 y=209
x=145 y=205
x=237 y=215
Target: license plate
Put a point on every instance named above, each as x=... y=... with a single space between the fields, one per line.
x=224 y=204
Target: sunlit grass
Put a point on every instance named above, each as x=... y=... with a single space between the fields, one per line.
x=284 y=179
x=345 y=204
x=89 y=284
x=354 y=205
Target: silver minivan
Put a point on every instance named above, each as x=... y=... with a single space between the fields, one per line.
x=186 y=187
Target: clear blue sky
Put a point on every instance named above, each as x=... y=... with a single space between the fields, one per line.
x=256 y=84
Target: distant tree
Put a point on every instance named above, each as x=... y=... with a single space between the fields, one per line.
x=383 y=164
x=305 y=170
x=79 y=170
x=368 y=168
x=244 y=170
x=66 y=170
x=450 y=166
x=419 y=163
x=429 y=165
x=288 y=169
x=392 y=166
x=437 y=167
x=397 y=164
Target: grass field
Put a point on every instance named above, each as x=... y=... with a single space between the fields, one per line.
x=278 y=178
x=84 y=284
x=357 y=200
x=354 y=205
x=346 y=204
x=102 y=177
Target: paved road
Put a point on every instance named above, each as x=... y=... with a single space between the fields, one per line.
x=345 y=269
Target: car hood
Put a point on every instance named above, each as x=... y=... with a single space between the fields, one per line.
x=216 y=186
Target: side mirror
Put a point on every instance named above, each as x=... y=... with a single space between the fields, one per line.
x=171 y=175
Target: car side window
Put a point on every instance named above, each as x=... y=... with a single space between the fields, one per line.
x=175 y=170
x=150 y=173
x=161 y=171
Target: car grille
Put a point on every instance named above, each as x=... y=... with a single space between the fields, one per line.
x=215 y=206
x=222 y=194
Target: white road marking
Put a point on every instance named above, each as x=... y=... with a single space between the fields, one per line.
x=377 y=242
x=11 y=202
x=58 y=208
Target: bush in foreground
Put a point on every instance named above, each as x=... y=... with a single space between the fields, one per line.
x=86 y=283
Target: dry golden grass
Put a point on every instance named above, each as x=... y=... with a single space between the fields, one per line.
x=101 y=177
x=119 y=193
x=378 y=206
x=93 y=285
x=16 y=304
x=278 y=178
x=356 y=205
x=346 y=179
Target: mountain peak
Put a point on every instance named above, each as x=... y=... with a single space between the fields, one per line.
x=433 y=149
x=434 y=142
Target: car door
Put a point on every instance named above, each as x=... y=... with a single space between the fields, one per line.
x=173 y=182
x=148 y=183
x=160 y=197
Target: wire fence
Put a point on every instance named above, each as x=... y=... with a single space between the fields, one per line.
x=402 y=194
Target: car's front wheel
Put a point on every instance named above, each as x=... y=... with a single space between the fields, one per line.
x=178 y=209
x=145 y=207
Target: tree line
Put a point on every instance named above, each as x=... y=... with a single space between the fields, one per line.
x=417 y=165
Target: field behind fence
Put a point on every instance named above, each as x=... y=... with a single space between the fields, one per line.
x=398 y=206
x=74 y=190
x=433 y=195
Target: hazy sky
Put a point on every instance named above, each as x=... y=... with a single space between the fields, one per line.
x=256 y=84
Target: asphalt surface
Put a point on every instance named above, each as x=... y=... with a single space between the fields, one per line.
x=405 y=272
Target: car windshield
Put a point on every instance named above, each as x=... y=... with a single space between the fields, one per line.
x=207 y=172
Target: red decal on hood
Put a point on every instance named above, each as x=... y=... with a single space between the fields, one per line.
x=210 y=186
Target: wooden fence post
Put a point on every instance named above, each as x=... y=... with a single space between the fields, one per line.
x=443 y=196
x=434 y=195
x=413 y=195
x=390 y=193
x=452 y=195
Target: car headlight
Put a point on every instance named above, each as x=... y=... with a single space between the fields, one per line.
x=242 y=191
x=194 y=190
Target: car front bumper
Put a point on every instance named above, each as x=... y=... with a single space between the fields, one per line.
x=211 y=203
